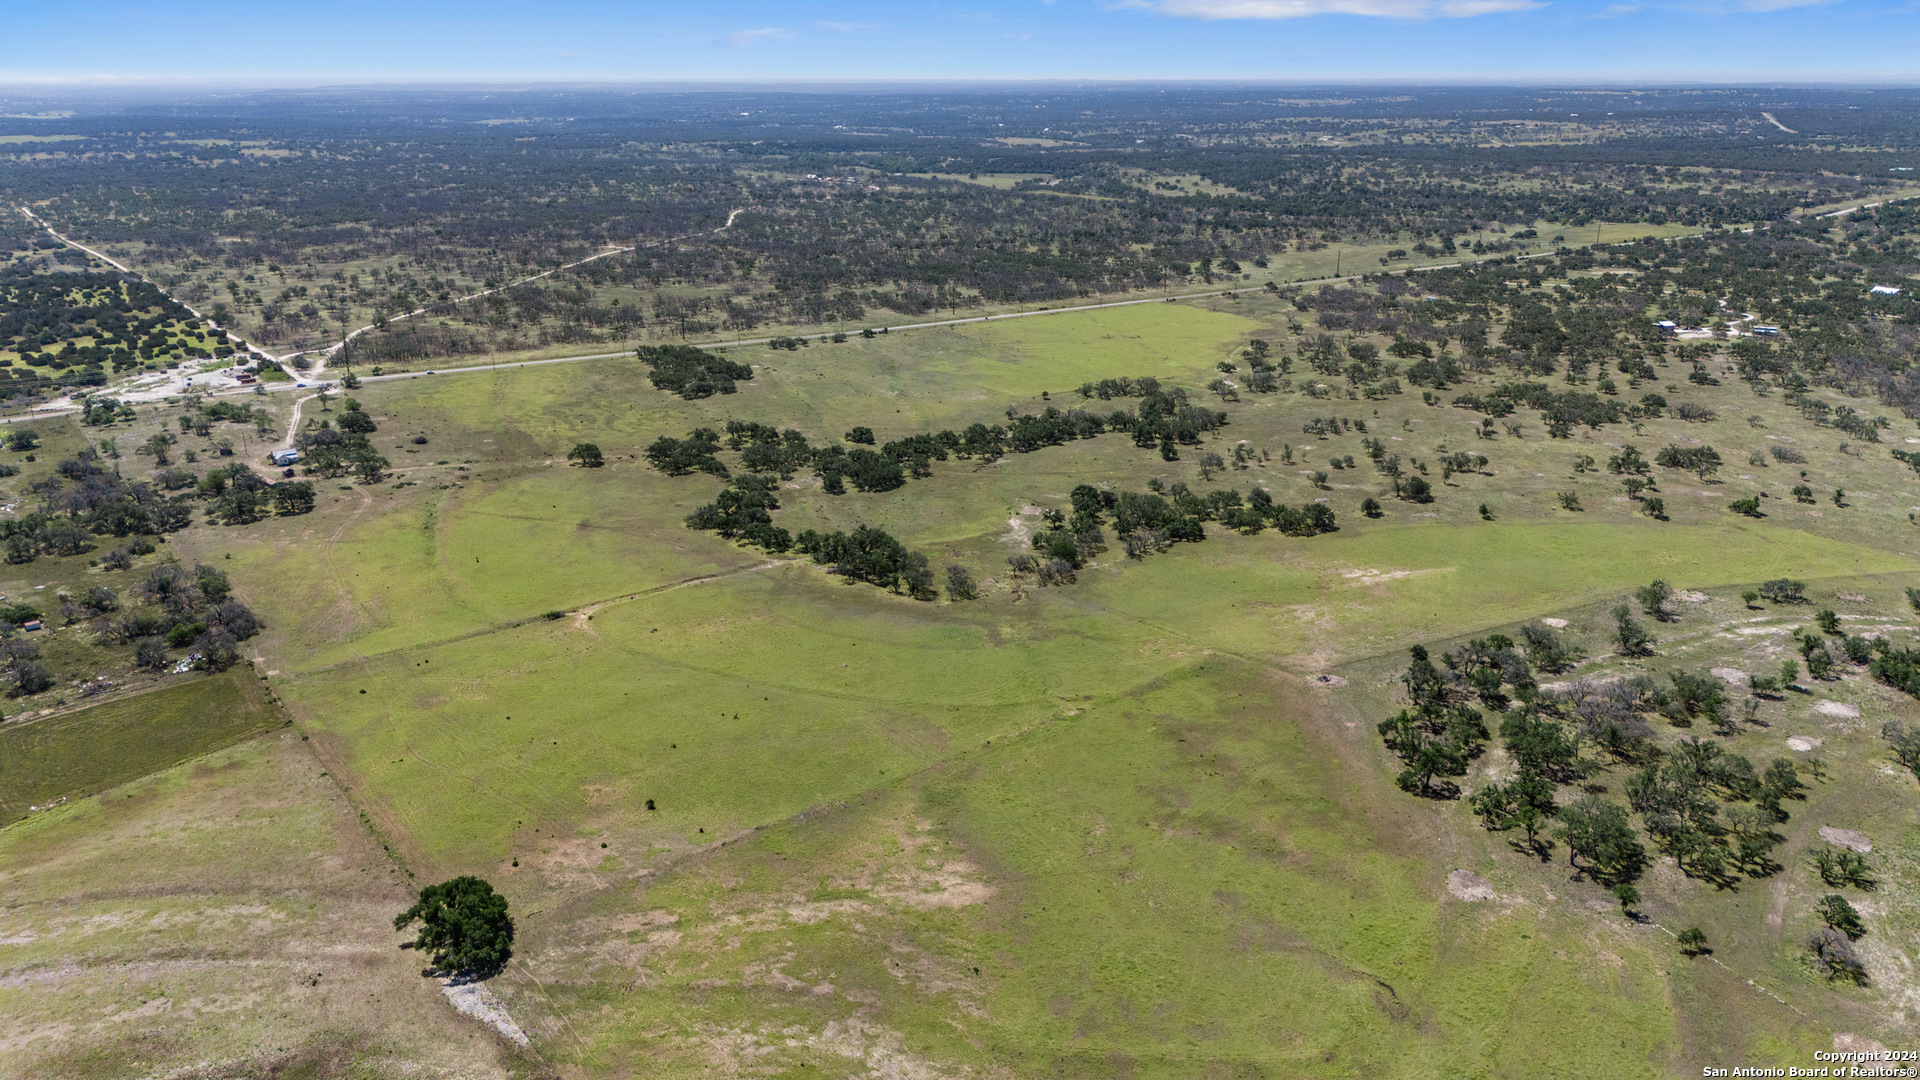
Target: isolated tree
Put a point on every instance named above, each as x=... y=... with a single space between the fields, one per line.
x=1632 y=638
x=1693 y=941
x=960 y=584
x=1833 y=954
x=1904 y=742
x=586 y=455
x=1840 y=915
x=917 y=576
x=1653 y=600
x=464 y=925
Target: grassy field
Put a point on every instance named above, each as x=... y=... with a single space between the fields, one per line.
x=76 y=754
x=225 y=918
x=755 y=820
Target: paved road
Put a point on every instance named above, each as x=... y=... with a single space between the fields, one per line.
x=316 y=373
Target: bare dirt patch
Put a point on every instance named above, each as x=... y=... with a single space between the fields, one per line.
x=1468 y=887
x=480 y=1002
x=1846 y=838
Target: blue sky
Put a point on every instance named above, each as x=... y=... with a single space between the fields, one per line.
x=491 y=40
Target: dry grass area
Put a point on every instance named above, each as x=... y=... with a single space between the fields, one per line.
x=230 y=917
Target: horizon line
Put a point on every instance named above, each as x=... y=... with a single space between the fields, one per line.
x=229 y=84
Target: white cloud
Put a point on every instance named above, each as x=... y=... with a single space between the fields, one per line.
x=747 y=37
x=1301 y=9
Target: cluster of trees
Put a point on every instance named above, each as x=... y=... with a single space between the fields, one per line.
x=1707 y=807
x=1147 y=521
x=329 y=449
x=695 y=453
x=169 y=610
x=185 y=609
x=1898 y=667
x=82 y=501
x=1710 y=809
x=130 y=322
x=239 y=496
x=1682 y=802
x=1123 y=387
x=871 y=555
x=692 y=372
x=1162 y=419
x=743 y=512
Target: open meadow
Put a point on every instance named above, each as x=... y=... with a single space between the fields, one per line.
x=1456 y=619
x=757 y=819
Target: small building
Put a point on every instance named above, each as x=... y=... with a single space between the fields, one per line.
x=1766 y=331
x=1667 y=326
x=1884 y=290
x=31 y=624
x=283 y=458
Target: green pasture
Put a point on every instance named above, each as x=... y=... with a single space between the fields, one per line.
x=991 y=180
x=1166 y=883
x=227 y=916
x=75 y=754
x=1117 y=799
